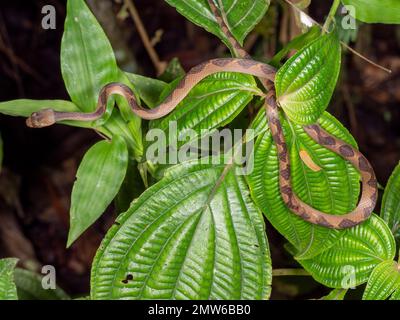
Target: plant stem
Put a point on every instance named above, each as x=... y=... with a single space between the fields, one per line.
x=158 y=64
x=343 y=44
x=365 y=58
x=331 y=15
x=289 y=272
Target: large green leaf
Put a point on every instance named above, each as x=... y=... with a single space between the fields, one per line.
x=193 y=235
x=333 y=189
x=99 y=178
x=87 y=58
x=305 y=83
x=376 y=11
x=241 y=16
x=25 y=107
x=29 y=287
x=351 y=260
x=213 y=103
x=259 y=123
x=384 y=280
x=390 y=211
x=8 y=291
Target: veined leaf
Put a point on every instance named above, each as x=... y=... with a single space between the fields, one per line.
x=334 y=189
x=241 y=16
x=87 y=58
x=99 y=178
x=195 y=234
x=29 y=287
x=259 y=123
x=25 y=107
x=384 y=280
x=396 y=295
x=8 y=290
x=351 y=260
x=390 y=211
x=213 y=103
x=305 y=83
x=375 y=11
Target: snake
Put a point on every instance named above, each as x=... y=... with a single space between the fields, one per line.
x=243 y=63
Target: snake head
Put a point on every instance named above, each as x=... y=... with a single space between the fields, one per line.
x=40 y=119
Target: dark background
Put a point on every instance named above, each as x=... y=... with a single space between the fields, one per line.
x=40 y=165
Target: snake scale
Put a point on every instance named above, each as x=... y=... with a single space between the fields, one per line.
x=245 y=64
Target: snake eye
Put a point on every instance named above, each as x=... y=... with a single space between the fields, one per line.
x=34 y=120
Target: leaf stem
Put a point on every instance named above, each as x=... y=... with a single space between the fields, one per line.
x=331 y=16
x=289 y=272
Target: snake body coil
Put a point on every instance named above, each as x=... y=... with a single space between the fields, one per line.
x=369 y=184
x=266 y=74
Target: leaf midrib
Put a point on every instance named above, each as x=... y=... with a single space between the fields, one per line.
x=166 y=211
